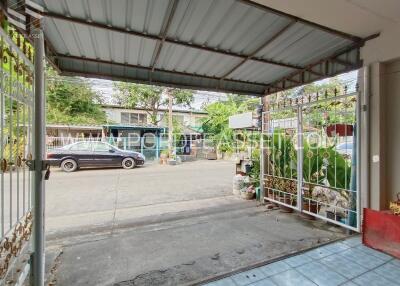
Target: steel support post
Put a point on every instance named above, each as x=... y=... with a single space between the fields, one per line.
x=358 y=160
x=300 y=158
x=39 y=157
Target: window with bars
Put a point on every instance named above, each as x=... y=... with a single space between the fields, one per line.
x=133 y=118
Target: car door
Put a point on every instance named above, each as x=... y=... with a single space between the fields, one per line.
x=82 y=153
x=105 y=154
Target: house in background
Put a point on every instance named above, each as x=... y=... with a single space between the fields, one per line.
x=131 y=129
x=188 y=119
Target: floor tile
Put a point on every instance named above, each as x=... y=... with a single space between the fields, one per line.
x=298 y=260
x=318 y=253
x=389 y=271
x=371 y=278
x=374 y=252
x=291 y=278
x=362 y=258
x=349 y=283
x=321 y=274
x=395 y=262
x=264 y=282
x=248 y=277
x=343 y=266
x=336 y=247
x=275 y=268
x=223 y=282
x=353 y=241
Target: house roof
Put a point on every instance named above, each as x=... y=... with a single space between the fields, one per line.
x=133 y=127
x=232 y=46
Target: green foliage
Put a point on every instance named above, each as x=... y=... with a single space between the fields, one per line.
x=321 y=164
x=216 y=124
x=72 y=102
x=149 y=97
x=338 y=170
x=283 y=155
x=313 y=163
x=255 y=170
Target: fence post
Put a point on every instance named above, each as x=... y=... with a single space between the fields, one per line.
x=158 y=146
x=300 y=157
x=39 y=156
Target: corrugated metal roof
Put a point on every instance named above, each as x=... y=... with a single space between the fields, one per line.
x=224 y=45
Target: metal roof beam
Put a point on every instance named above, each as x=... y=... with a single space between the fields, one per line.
x=257 y=50
x=67 y=72
x=167 y=22
x=167 y=40
x=301 y=74
x=303 y=21
x=60 y=56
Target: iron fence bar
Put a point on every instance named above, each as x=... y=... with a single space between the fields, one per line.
x=10 y=139
x=24 y=144
x=2 y=118
x=28 y=155
x=16 y=159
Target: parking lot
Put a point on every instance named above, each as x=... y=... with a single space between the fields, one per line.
x=163 y=225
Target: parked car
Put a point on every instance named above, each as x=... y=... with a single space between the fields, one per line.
x=345 y=148
x=93 y=154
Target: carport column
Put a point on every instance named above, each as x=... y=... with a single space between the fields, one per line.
x=263 y=153
x=38 y=156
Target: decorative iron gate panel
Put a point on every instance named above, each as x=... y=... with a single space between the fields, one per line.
x=16 y=110
x=310 y=156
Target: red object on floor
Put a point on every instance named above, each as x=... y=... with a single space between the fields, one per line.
x=381 y=231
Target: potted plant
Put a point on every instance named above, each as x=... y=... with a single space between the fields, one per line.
x=248 y=193
x=164 y=157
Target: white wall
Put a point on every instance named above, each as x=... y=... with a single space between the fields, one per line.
x=114 y=115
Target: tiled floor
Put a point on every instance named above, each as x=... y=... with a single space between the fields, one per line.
x=347 y=263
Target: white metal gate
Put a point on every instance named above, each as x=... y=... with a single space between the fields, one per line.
x=16 y=117
x=310 y=152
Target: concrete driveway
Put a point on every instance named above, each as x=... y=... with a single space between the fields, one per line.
x=163 y=225
x=101 y=198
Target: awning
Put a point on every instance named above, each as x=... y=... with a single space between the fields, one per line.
x=232 y=46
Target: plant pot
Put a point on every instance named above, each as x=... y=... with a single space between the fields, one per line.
x=312 y=207
x=247 y=195
x=286 y=200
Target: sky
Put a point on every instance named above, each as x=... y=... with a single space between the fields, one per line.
x=105 y=87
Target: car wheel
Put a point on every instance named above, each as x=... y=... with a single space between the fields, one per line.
x=128 y=163
x=69 y=165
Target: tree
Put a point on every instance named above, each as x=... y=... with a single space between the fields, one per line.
x=216 y=124
x=72 y=100
x=149 y=97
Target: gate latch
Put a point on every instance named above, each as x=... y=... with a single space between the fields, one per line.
x=45 y=167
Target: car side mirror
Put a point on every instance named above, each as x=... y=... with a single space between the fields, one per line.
x=111 y=151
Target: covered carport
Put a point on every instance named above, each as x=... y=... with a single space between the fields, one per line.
x=233 y=46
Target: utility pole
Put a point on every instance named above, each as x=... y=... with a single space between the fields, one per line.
x=170 y=125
